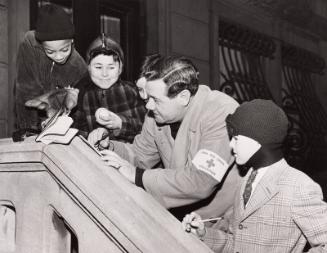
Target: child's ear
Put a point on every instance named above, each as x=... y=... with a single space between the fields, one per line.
x=120 y=68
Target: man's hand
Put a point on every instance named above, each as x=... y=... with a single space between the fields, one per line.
x=108 y=119
x=123 y=166
x=192 y=224
x=99 y=137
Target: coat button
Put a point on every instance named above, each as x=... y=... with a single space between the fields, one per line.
x=240 y=226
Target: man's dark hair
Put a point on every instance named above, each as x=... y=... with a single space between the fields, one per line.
x=148 y=62
x=177 y=72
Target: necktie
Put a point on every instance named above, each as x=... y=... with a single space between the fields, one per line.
x=248 y=186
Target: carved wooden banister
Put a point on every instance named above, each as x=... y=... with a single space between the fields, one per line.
x=62 y=191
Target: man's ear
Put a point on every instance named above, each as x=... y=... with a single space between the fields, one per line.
x=184 y=97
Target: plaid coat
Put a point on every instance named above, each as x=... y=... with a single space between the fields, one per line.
x=284 y=212
x=121 y=98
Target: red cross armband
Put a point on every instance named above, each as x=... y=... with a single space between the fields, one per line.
x=210 y=163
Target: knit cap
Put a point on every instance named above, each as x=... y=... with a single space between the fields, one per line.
x=104 y=45
x=53 y=23
x=259 y=119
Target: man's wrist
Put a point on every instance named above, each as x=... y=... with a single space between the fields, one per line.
x=139 y=177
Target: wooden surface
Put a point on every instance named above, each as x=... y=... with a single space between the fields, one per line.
x=100 y=206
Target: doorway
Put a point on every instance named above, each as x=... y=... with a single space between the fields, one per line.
x=122 y=20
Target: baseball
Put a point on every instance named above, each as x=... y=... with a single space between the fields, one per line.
x=102 y=114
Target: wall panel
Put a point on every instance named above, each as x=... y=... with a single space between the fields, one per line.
x=3 y=34
x=3 y=90
x=204 y=70
x=192 y=8
x=189 y=37
x=3 y=68
x=3 y=128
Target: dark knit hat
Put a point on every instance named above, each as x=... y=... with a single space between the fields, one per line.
x=104 y=45
x=53 y=23
x=259 y=119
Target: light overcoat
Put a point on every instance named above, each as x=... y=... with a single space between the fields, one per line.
x=180 y=183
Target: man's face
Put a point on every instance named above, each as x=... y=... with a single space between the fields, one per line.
x=243 y=148
x=58 y=50
x=164 y=109
x=104 y=70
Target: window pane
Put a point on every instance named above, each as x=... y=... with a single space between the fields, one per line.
x=110 y=26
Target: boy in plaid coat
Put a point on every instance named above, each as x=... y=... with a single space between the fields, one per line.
x=106 y=100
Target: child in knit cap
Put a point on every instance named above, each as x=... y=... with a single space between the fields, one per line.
x=277 y=208
x=46 y=60
x=105 y=100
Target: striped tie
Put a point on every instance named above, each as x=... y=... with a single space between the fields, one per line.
x=248 y=186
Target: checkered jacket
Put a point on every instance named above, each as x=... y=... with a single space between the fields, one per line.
x=285 y=211
x=121 y=98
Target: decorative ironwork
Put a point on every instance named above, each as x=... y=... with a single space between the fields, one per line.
x=243 y=53
x=306 y=143
x=302 y=59
x=243 y=39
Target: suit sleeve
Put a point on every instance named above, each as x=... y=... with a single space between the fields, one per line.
x=309 y=212
x=187 y=185
x=143 y=153
x=219 y=237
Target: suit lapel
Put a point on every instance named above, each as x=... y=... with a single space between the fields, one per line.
x=238 y=204
x=166 y=144
x=266 y=189
x=261 y=195
x=187 y=128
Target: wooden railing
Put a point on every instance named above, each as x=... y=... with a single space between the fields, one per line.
x=63 y=198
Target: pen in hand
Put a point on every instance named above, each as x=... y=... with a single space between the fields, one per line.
x=98 y=145
x=198 y=224
x=211 y=219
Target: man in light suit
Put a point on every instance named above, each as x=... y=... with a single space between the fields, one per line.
x=277 y=208
x=185 y=130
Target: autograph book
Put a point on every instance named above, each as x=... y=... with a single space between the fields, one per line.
x=57 y=130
